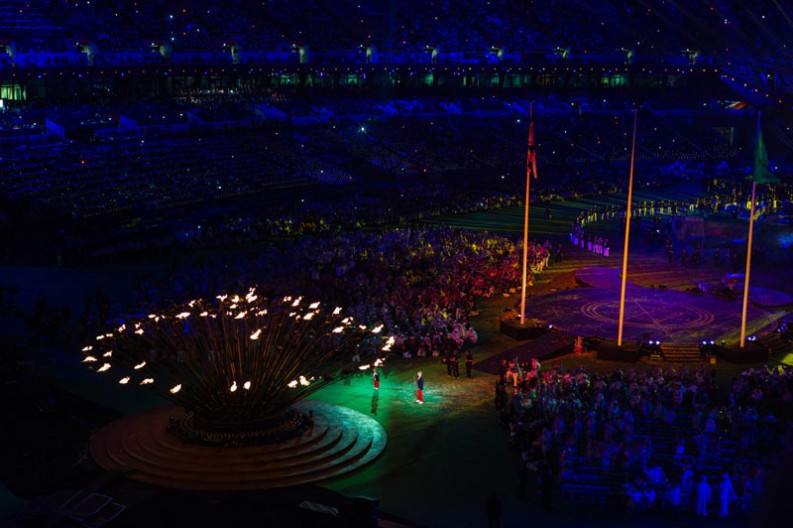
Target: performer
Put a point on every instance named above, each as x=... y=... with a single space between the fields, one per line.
x=376 y=378
x=469 y=362
x=703 y=496
x=726 y=494
x=419 y=388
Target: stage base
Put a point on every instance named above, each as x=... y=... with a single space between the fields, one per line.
x=630 y=353
x=521 y=332
x=140 y=446
x=752 y=352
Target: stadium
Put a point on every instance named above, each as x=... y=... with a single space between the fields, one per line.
x=247 y=248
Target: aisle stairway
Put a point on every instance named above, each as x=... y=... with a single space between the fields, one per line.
x=681 y=353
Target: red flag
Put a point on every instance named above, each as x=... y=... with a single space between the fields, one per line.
x=531 y=157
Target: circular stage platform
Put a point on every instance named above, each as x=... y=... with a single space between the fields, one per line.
x=662 y=314
x=139 y=445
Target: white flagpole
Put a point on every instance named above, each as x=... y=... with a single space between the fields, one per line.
x=748 y=267
x=745 y=306
x=627 y=234
x=529 y=170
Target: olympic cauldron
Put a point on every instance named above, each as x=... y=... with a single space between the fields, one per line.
x=236 y=364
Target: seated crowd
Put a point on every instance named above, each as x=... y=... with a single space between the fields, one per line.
x=152 y=178
x=484 y=30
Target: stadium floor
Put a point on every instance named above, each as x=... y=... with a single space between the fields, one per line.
x=446 y=458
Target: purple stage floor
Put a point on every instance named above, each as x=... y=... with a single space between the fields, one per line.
x=664 y=315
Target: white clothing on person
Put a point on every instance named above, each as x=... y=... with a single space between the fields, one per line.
x=726 y=493
x=703 y=496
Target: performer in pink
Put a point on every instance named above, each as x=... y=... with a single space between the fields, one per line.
x=376 y=378
x=419 y=388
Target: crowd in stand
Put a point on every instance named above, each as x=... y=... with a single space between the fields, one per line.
x=342 y=26
x=150 y=177
x=664 y=438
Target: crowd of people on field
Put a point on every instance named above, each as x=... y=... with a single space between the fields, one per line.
x=662 y=438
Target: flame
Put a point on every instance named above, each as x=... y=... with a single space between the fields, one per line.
x=100 y=337
x=231 y=307
x=297 y=302
x=191 y=303
x=314 y=305
x=292 y=384
x=337 y=310
x=377 y=329
x=235 y=299
x=364 y=367
x=256 y=334
x=176 y=389
x=338 y=330
x=104 y=367
x=308 y=316
x=87 y=348
x=233 y=387
x=109 y=353
x=183 y=315
x=204 y=314
x=246 y=385
x=140 y=365
x=240 y=315
x=147 y=381
x=303 y=381
x=124 y=380
x=378 y=362
x=222 y=297
x=122 y=328
x=139 y=331
x=88 y=359
x=151 y=316
x=361 y=327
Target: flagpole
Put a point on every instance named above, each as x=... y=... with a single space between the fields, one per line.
x=525 y=251
x=748 y=264
x=627 y=234
x=756 y=174
x=526 y=220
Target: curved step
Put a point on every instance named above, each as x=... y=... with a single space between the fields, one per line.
x=140 y=446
